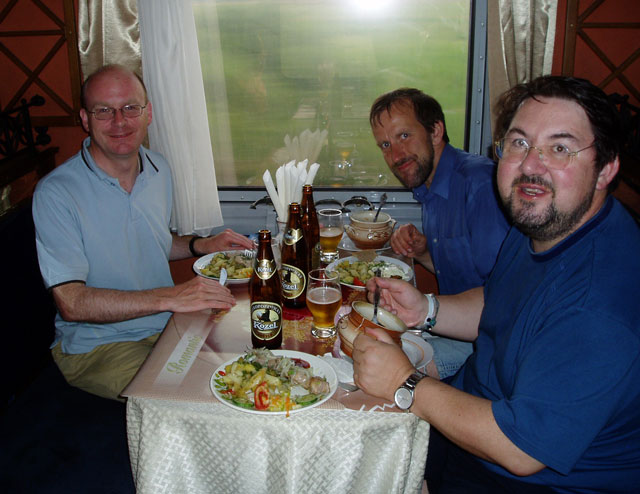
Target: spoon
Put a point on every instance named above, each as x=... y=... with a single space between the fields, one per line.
x=383 y=201
x=348 y=387
x=376 y=300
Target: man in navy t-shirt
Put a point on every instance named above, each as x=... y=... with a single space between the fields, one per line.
x=550 y=400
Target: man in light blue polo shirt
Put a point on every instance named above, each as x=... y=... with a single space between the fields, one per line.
x=103 y=241
x=463 y=225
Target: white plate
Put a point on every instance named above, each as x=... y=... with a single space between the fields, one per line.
x=320 y=368
x=420 y=352
x=408 y=272
x=204 y=261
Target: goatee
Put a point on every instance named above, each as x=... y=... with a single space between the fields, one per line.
x=419 y=174
x=549 y=224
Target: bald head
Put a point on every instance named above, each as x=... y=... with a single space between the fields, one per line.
x=109 y=70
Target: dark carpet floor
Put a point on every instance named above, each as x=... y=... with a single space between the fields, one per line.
x=57 y=439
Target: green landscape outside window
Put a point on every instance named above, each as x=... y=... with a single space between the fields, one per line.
x=297 y=68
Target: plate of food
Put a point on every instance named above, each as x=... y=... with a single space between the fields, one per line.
x=355 y=273
x=274 y=382
x=238 y=263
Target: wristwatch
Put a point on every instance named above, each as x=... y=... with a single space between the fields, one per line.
x=404 y=394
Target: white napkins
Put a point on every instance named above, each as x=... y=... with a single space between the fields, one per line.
x=305 y=146
x=288 y=185
x=342 y=366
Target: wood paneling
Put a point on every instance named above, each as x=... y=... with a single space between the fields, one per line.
x=602 y=44
x=39 y=55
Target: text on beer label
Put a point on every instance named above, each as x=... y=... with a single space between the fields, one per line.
x=265 y=268
x=266 y=320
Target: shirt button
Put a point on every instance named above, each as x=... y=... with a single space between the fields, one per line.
x=435 y=240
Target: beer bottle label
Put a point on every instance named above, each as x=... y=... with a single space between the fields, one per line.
x=266 y=320
x=292 y=236
x=265 y=268
x=293 y=281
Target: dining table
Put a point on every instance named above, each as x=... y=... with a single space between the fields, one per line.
x=182 y=439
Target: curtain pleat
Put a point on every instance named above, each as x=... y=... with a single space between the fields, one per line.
x=108 y=33
x=521 y=38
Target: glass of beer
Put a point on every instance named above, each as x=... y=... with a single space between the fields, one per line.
x=324 y=298
x=331 y=230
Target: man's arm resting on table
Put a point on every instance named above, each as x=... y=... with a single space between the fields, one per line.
x=468 y=421
x=409 y=242
x=425 y=260
x=78 y=302
x=225 y=240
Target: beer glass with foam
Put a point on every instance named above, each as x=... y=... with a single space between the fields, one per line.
x=324 y=298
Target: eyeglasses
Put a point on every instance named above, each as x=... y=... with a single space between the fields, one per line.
x=516 y=150
x=128 y=111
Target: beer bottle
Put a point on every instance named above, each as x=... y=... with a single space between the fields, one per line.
x=266 y=305
x=293 y=266
x=310 y=227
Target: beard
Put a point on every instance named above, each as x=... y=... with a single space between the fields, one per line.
x=418 y=175
x=550 y=224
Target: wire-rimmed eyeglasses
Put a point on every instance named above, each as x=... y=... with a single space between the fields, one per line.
x=516 y=150
x=107 y=113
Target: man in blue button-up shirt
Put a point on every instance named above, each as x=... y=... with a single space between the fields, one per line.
x=462 y=223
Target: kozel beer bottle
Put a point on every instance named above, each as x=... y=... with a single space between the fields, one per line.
x=266 y=306
x=294 y=269
x=310 y=227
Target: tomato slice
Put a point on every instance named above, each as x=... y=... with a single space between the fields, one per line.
x=301 y=363
x=357 y=282
x=261 y=397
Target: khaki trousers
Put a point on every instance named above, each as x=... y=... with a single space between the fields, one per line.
x=107 y=369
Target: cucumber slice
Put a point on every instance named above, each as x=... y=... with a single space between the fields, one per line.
x=307 y=399
x=242 y=402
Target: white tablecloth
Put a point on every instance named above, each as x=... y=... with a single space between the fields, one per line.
x=188 y=447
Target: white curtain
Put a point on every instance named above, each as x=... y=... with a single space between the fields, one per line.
x=521 y=38
x=180 y=129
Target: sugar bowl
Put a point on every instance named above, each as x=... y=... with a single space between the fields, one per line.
x=366 y=233
x=350 y=325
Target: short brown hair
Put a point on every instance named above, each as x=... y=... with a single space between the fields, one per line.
x=602 y=114
x=426 y=108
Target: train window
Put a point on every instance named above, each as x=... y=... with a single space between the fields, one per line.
x=288 y=79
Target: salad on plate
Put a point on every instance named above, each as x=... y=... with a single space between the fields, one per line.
x=283 y=381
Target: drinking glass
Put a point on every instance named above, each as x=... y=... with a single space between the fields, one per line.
x=324 y=298
x=331 y=230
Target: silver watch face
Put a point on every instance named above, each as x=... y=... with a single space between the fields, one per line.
x=403 y=398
